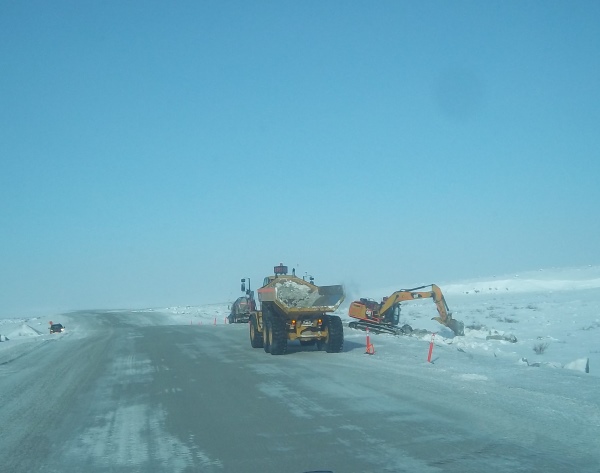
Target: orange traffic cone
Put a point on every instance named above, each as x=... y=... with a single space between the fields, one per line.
x=430 y=348
x=370 y=346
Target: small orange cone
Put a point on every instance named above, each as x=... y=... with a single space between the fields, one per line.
x=370 y=346
x=430 y=348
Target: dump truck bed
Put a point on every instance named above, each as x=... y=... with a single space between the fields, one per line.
x=296 y=297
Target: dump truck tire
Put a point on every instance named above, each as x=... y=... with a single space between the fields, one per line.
x=256 y=339
x=267 y=337
x=266 y=318
x=278 y=337
x=335 y=339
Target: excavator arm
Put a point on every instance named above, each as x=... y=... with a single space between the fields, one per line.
x=444 y=317
x=407 y=295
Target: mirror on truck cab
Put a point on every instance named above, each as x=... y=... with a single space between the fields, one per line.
x=243 y=285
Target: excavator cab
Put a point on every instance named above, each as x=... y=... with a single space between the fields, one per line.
x=392 y=316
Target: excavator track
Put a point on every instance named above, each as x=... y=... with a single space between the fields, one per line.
x=380 y=328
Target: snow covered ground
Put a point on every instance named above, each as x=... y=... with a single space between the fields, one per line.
x=520 y=386
x=546 y=319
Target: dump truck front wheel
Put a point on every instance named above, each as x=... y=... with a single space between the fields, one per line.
x=335 y=339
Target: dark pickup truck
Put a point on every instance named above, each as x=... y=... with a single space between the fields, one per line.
x=56 y=328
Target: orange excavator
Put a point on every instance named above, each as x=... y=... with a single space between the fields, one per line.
x=384 y=316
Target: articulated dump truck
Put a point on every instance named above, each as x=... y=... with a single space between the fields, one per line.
x=295 y=309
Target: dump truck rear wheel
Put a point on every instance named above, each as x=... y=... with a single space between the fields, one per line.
x=335 y=339
x=278 y=337
x=256 y=339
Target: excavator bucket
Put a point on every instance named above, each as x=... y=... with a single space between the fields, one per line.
x=456 y=326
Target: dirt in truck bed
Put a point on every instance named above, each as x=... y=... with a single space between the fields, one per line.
x=296 y=295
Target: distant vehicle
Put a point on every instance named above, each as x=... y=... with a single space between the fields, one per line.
x=57 y=328
x=241 y=309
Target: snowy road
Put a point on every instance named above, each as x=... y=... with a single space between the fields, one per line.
x=120 y=392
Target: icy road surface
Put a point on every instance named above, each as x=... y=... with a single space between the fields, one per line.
x=121 y=392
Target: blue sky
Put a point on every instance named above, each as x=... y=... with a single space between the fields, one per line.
x=153 y=153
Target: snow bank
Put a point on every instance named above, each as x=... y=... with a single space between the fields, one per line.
x=23 y=330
